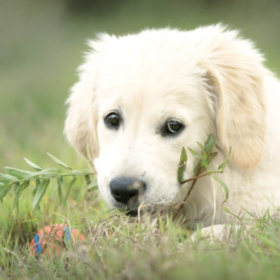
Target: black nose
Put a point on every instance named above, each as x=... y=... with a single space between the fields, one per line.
x=125 y=188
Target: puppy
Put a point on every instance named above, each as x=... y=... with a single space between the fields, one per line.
x=140 y=98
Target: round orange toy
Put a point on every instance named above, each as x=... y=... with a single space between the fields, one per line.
x=54 y=238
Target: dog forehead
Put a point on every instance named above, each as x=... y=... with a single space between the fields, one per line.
x=151 y=73
x=149 y=82
x=170 y=97
x=156 y=100
x=148 y=58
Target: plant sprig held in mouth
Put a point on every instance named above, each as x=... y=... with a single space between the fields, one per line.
x=202 y=168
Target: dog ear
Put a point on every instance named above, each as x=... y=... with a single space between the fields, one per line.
x=81 y=122
x=235 y=69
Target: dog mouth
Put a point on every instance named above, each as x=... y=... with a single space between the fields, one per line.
x=131 y=212
x=135 y=207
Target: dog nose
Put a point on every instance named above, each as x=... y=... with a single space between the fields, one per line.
x=125 y=188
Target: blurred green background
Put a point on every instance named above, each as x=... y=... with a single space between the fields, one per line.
x=42 y=44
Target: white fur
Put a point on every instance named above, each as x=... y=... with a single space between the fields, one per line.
x=209 y=78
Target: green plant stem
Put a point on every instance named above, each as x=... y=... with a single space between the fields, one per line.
x=54 y=176
x=201 y=175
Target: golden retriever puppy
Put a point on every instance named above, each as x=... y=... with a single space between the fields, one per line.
x=140 y=98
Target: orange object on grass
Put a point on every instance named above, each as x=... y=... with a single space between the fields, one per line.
x=53 y=238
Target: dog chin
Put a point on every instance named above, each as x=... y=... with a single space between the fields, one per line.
x=136 y=209
x=129 y=210
x=132 y=212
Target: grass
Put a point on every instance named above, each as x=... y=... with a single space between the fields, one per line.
x=41 y=46
x=121 y=249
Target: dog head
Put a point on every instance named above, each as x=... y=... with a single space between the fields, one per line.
x=141 y=98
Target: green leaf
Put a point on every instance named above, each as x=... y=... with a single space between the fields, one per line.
x=205 y=157
x=33 y=165
x=200 y=145
x=92 y=185
x=203 y=161
x=182 y=165
x=59 y=190
x=249 y=213
x=6 y=178
x=202 y=150
x=224 y=164
x=24 y=185
x=38 y=182
x=208 y=146
x=230 y=212
x=87 y=179
x=4 y=189
x=41 y=190
x=20 y=174
x=69 y=188
x=211 y=157
x=18 y=191
x=59 y=162
x=198 y=168
x=17 y=195
x=194 y=153
x=202 y=167
x=223 y=184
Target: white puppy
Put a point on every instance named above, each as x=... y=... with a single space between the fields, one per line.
x=142 y=97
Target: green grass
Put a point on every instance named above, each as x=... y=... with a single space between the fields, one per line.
x=41 y=46
x=119 y=249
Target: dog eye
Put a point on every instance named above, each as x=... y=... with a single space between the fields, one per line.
x=112 y=120
x=172 y=127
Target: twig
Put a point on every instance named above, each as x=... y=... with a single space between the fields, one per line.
x=194 y=179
